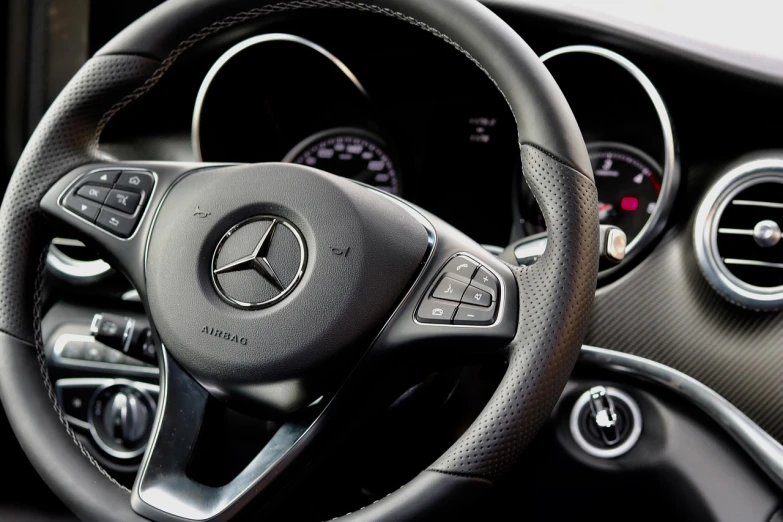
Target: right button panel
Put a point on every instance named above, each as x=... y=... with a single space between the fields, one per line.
x=474 y=287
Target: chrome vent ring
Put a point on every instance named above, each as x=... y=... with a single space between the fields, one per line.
x=737 y=234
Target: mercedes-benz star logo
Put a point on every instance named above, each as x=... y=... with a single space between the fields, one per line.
x=278 y=257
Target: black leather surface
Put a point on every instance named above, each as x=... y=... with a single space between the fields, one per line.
x=429 y=496
x=555 y=294
x=62 y=141
x=338 y=307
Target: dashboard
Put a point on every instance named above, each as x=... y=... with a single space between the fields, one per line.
x=686 y=156
x=424 y=149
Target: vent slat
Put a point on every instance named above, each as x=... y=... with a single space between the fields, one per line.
x=752 y=262
x=736 y=231
x=752 y=203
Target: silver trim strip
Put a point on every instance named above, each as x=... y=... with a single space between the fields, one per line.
x=671 y=175
x=58 y=261
x=766 y=451
x=762 y=169
x=195 y=127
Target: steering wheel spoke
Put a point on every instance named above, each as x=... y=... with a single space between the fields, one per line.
x=463 y=306
x=111 y=206
x=164 y=490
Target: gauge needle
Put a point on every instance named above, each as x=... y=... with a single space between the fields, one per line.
x=603 y=210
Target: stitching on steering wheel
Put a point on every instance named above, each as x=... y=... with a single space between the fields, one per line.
x=253 y=14
x=41 y=355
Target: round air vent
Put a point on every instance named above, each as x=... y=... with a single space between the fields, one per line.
x=738 y=234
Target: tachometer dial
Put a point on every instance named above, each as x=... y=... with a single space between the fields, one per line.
x=352 y=153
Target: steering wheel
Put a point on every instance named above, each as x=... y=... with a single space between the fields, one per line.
x=287 y=290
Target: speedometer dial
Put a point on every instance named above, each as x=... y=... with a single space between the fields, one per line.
x=352 y=153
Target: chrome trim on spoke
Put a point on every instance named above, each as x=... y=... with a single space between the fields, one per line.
x=195 y=128
x=172 y=492
x=765 y=450
x=671 y=174
x=64 y=264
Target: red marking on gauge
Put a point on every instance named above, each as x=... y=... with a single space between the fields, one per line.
x=629 y=203
x=655 y=183
x=604 y=207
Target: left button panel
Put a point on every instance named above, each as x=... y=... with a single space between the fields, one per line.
x=127 y=191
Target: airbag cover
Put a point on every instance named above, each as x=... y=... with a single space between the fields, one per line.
x=362 y=252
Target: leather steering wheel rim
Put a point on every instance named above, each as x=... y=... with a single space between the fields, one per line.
x=555 y=294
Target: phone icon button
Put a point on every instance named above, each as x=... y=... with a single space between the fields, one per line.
x=461 y=268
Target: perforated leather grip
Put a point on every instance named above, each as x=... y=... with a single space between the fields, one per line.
x=556 y=295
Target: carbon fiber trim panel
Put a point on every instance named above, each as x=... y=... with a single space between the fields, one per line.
x=665 y=311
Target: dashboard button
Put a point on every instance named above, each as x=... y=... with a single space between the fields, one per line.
x=75 y=400
x=124 y=201
x=474 y=315
x=449 y=289
x=83 y=207
x=487 y=281
x=117 y=223
x=94 y=193
x=74 y=350
x=436 y=311
x=94 y=352
x=477 y=296
x=102 y=177
x=461 y=268
x=135 y=181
